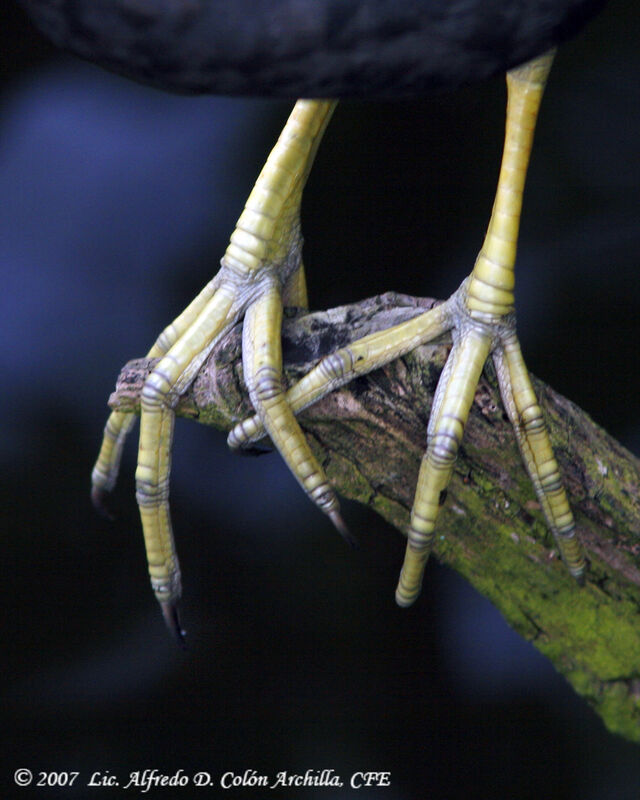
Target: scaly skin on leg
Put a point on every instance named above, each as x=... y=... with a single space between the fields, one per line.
x=480 y=315
x=261 y=266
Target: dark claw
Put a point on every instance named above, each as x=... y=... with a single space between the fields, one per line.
x=172 y=618
x=342 y=529
x=101 y=502
x=253 y=450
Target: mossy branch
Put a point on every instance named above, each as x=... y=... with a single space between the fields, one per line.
x=371 y=435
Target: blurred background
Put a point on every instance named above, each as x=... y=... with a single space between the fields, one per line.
x=116 y=203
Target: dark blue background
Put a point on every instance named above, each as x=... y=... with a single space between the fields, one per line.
x=116 y=203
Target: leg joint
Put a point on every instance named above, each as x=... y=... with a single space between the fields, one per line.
x=442 y=451
x=336 y=366
x=267 y=384
x=324 y=497
x=155 y=392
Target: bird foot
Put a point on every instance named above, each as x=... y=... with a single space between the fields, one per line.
x=262 y=273
x=474 y=340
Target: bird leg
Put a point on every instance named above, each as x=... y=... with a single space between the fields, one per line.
x=485 y=323
x=261 y=267
x=481 y=318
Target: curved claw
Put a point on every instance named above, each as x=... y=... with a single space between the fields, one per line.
x=340 y=525
x=101 y=500
x=251 y=451
x=171 y=616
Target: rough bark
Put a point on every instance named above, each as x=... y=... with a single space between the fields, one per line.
x=370 y=437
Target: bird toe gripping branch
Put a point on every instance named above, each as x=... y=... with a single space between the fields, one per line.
x=261 y=271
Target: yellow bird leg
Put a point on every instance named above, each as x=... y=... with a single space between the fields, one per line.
x=487 y=302
x=262 y=264
x=486 y=323
x=490 y=289
x=270 y=221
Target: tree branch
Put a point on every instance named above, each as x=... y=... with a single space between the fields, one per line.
x=370 y=436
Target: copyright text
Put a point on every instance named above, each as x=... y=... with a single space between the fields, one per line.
x=142 y=781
